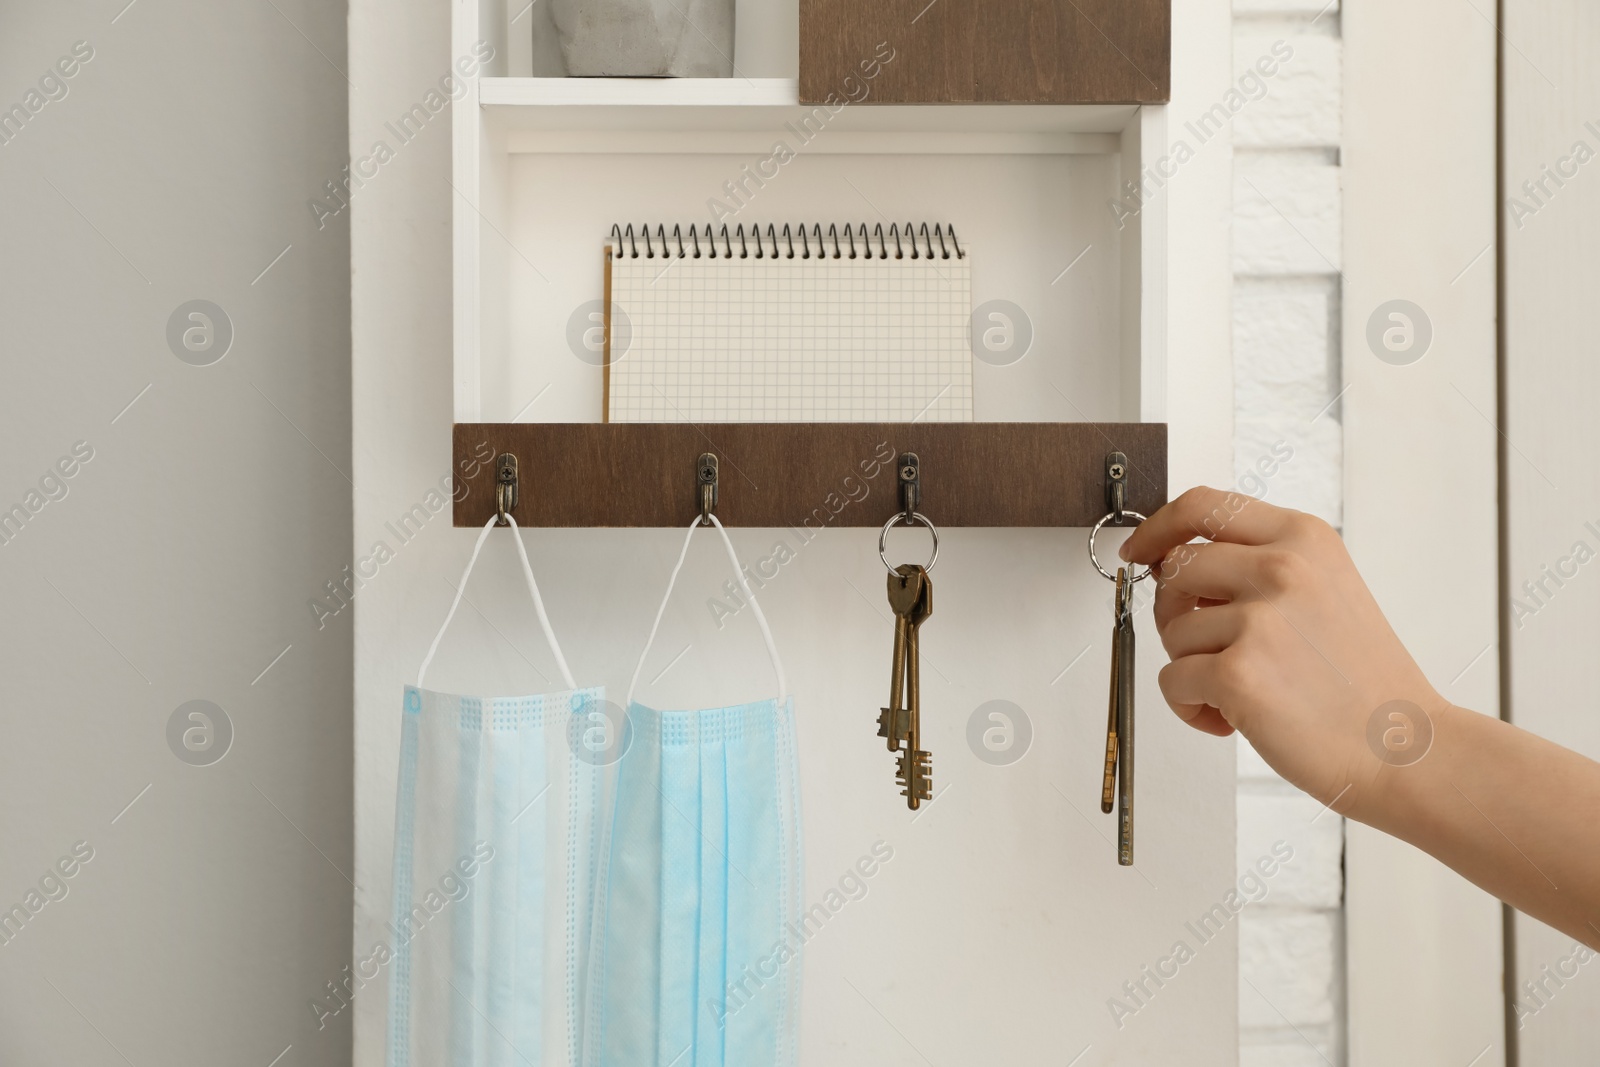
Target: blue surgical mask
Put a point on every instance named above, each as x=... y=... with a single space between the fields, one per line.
x=495 y=846
x=695 y=959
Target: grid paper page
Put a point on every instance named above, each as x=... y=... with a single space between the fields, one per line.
x=792 y=340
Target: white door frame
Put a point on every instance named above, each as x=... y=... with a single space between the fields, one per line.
x=1424 y=946
x=1550 y=97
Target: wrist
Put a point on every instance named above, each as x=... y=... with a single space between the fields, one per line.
x=1405 y=770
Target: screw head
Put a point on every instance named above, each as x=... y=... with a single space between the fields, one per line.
x=1117 y=471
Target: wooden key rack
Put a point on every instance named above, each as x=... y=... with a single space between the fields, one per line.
x=819 y=474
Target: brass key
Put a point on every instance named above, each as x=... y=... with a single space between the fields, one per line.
x=1108 y=784
x=905 y=592
x=915 y=770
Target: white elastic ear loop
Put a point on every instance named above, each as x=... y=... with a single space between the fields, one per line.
x=761 y=618
x=538 y=605
x=654 y=626
x=533 y=587
x=738 y=573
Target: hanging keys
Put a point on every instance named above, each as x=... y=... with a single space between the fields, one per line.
x=911 y=599
x=1116 y=782
x=900 y=724
x=905 y=591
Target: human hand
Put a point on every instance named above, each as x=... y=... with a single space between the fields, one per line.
x=1273 y=633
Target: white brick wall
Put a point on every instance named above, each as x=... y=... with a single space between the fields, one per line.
x=1288 y=448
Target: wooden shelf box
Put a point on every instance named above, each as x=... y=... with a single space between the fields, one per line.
x=1038 y=194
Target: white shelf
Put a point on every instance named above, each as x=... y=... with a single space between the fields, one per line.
x=671 y=106
x=639 y=92
x=543 y=167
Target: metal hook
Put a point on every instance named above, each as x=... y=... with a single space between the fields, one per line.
x=1116 y=484
x=910 y=482
x=706 y=483
x=505 y=486
x=1116 y=501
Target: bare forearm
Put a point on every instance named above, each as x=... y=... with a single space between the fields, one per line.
x=1273 y=633
x=1517 y=815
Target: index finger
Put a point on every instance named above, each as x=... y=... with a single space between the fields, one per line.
x=1208 y=513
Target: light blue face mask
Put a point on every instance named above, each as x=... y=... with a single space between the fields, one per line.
x=696 y=948
x=495 y=847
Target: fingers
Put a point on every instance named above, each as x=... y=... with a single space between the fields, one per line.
x=1208 y=513
x=1218 y=571
x=1205 y=631
x=1210 y=721
x=1192 y=682
x=1181 y=681
x=1194 y=640
x=1193 y=576
x=1171 y=604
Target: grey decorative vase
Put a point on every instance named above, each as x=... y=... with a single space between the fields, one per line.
x=646 y=38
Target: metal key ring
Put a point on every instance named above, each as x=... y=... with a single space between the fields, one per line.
x=1096 y=559
x=915 y=517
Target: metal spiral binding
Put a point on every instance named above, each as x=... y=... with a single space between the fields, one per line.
x=909 y=241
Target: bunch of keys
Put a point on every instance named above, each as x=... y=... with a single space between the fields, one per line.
x=1116 y=785
x=911 y=600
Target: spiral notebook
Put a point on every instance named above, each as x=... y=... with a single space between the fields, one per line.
x=788 y=325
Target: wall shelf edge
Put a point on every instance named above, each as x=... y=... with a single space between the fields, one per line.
x=977 y=474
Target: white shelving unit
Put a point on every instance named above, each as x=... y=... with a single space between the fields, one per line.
x=543 y=167
x=1003 y=927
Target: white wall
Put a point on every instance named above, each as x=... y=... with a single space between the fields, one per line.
x=1002 y=869
x=179 y=564
x=1288 y=449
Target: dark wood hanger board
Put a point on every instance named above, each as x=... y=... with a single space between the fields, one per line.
x=808 y=474
x=987 y=51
